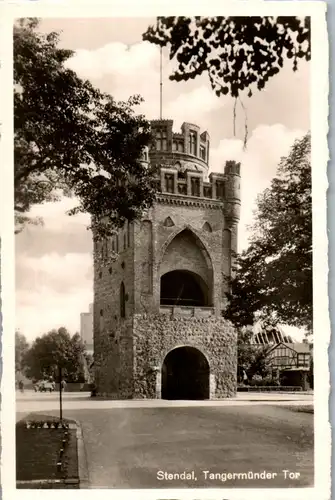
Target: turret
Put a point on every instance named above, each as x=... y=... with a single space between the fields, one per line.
x=186 y=150
x=232 y=192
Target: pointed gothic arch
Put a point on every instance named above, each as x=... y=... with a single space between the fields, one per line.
x=197 y=235
x=186 y=271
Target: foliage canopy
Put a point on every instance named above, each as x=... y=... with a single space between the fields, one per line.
x=273 y=279
x=71 y=138
x=53 y=349
x=237 y=53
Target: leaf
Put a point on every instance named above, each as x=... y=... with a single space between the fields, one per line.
x=259 y=43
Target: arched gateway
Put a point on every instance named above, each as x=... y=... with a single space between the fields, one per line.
x=164 y=293
x=185 y=374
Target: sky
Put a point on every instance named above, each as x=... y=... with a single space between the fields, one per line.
x=54 y=273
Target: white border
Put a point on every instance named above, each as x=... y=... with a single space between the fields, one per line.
x=319 y=129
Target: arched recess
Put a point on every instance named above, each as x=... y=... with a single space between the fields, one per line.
x=185 y=375
x=186 y=261
x=207 y=227
x=168 y=222
x=146 y=252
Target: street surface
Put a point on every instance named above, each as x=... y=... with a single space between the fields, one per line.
x=176 y=444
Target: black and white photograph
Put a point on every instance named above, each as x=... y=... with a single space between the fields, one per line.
x=170 y=251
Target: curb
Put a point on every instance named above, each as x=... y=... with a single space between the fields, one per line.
x=84 y=482
x=46 y=481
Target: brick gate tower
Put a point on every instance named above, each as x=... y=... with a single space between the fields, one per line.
x=158 y=325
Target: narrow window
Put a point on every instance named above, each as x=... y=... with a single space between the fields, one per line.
x=159 y=140
x=164 y=141
x=169 y=181
x=195 y=186
x=203 y=153
x=193 y=143
x=122 y=301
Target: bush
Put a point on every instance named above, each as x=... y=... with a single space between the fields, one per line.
x=265 y=382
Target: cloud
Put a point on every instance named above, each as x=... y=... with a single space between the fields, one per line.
x=61 y=272
x=117 y=59
x=55 y=216
x=123 y=70
x=266 y=145
x=194 y=106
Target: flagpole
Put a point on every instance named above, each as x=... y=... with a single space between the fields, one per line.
x=161 y=83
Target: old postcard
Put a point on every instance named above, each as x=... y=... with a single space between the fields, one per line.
x=168 y=249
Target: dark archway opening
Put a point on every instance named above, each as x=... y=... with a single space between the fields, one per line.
x=185 y=374
x=183 y=288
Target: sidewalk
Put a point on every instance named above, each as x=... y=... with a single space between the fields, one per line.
x=275 y=396
x=32 y=402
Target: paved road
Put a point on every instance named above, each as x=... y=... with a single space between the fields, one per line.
x=126 y=447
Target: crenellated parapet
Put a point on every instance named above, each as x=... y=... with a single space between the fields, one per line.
x=182 y=162
x=191 y=183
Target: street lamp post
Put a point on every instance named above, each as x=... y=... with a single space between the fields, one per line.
x=60 y=393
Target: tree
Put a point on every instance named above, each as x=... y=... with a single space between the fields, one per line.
x=53 y=350
x=238 y=53
x=21 y=349
x=71 y=138
x=273 y=279
x=253 y=360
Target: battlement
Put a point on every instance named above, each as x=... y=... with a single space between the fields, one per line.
x=232 y=167
x=176 y=180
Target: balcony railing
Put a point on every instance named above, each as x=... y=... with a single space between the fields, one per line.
x=188 y=311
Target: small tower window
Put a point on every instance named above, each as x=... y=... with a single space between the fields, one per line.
x=195 y=186
x=180 y=146
x=174 y=146
x=193 y=143
x=101 y=320
x=203 y=153
x=122 y=301
x=169 y=182
x=161 y=140
x=207 y=191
